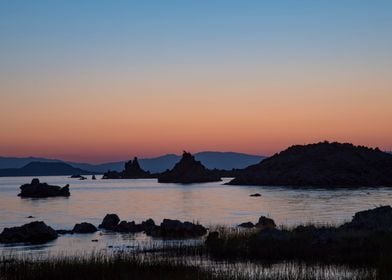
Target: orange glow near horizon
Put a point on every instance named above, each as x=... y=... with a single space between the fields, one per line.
x=259 y=121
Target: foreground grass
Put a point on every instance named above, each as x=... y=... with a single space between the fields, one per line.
x=141 y=266
x=326 y=244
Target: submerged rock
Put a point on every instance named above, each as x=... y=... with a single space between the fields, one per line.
x=84 y=228
x=110 y=222
x=188 y=170
x=64 y=231
x=34 y=232
x=41 y=190
x=255 y=195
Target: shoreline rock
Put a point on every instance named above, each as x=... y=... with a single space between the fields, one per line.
x=84 y=228
x=35 y=233
x=110 y=221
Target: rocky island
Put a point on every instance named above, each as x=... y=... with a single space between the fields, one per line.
x=188 y=170
x=323 y=165
x=132 y=170
x=36 y=189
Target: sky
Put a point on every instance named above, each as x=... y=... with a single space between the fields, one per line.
x=98 y=81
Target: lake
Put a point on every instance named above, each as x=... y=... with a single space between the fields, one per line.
x=138 y=200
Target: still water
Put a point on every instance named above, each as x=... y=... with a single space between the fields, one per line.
x=138 y=200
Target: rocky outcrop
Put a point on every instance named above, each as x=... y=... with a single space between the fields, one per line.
x=177 y=229
x=377 y=219
x=262 y=224
x=34 y=232
x=323 y=165
x=128 y=227
x=132 y=170
x=188 y=170
x=110 y=221
x=40 y=190
x=265 y=223
x=84 y=228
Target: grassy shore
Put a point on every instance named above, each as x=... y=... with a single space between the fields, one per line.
x=301 y=253
x=322 y=244
x=141 y=266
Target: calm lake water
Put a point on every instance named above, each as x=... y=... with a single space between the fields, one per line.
x=138 y=200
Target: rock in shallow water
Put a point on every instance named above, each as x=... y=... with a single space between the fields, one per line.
x=36 y=189
x=188 y=170
x=177 y=229
x=34 y=232
x=84 y=228
x=110 y=222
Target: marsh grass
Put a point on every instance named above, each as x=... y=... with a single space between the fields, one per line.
x=236 y=254
x=152 y=266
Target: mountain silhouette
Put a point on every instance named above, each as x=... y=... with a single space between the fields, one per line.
x=43 y=169
x=212 y=160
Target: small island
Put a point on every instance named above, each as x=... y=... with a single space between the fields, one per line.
x=132 y=170
x=188 y=170
x=36 y=189
x=322 y=164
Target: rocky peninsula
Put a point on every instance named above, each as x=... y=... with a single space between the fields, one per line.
x=321 y=165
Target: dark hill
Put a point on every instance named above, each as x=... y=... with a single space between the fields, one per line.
x=188 y=170
x=322 y=164
x=43 y=169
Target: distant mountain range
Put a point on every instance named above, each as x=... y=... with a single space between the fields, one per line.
x=37 y=168
x=218 y=160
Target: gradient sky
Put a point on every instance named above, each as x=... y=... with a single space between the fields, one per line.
x=106 y=80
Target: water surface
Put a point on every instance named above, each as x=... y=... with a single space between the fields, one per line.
x=207 y=203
